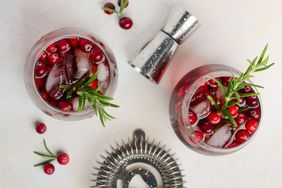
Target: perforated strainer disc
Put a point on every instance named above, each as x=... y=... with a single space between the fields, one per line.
x=138 y=157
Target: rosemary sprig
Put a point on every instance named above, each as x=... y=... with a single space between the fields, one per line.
x=96 y=100
x=49 y=156
x=232 y=96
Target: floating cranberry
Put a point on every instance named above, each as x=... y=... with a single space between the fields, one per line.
x=246 y=89
x=94 y=84
x=44 y=94
x=212 y=83
x=252 y=101
x=197 y=134
x=40 y=128
x=125 y=23
x=43 y=57
x=242 y=136
x=119 y=3
x=255 y=113
x=214 y=118
x=40 y=82
x=73 y=42
x=233 y=110
x=241 y=118
x=233 y=145
x=65 y=106
x=63 y=46
x=63 y=158
x=252 y=125
x=110 y=6
x=226 y=81
x=96 y=55
x=49 y=169
x=192 y=118
x=53 y=59
x=52 y=48
x=200 y=95
x=207 y=128
x=41 y=70
x=86 y=45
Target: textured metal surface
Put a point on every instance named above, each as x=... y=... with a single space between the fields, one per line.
x=138 y=156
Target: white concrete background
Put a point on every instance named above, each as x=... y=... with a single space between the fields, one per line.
x=231 y=31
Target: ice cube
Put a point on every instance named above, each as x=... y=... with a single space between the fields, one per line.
x=220 y=94
x=220 y=137
x=103 y=72
x=69 y=61
x=82 y=62
x=203 y=109
x=75 y=103
x=56 y=77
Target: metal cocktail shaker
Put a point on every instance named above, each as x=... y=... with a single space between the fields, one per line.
x=153 y=59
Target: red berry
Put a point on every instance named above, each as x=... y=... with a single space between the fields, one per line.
x=125 y=23
x=96 y=55
x=252 y=125
x=192 y=118
x=44 y=94
x=63 y=158
x=233 y=110
x=200 y=95
x=247 y=89
x=40 y=82
x=110 y=6
x=212 y=83
x=207 y=128
x=43 y=57
x=214 y=118
x=197 y=134
x=233 y=145
x=53 y=58
x=119 y=3
x=94 y=84
x=49 y=169
x=65 y=106
x=226 y=80
x=40 y=70
x=52 y=48
x=255 y=113
x=241 y=118
x=86 y=45
x=73 y=42
x=41 y=128
x=63 y=46
x=252 y=101
x=242 y=136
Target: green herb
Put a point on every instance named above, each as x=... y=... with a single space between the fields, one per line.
x=49 y=156
x=122 y=7
x=85 y=93
x=232 y=96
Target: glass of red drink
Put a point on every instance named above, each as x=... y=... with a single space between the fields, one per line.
x=65 y=56
x=196 y=121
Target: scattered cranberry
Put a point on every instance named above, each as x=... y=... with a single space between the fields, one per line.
x=214 y=118
x=255 y=113
x=110 y=6
x=53 y=59
x=226 y=81
x=49 y=169
x=41 y=71
x=43 y=57
x=207 y=128
x=63 y=46
x=97 y=55
x=251 y=125
x=52 y=48
x=125 y=23
x=73 y=42
x=85 y=45
x=65 y=106
x=241 y=118
x=63 y=158
x=192 y=118
x=41 y=128
x=242 y=136
x=233 y=110
x=252 y=101
x=119 y=3
x=199 y=135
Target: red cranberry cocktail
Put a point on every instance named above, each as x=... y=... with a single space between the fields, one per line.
x=61 y=62
x=195 y=111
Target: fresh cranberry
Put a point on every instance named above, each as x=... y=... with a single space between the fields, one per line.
x=207 y=128
x=214 y=118
x=65 y=106
x=200 y=95
x=242 y=136
x=41 y=128
x=233 y=110
x=43 y=57
x=85 y=45
x=40 y=82
x=94 y=84
x=246 y=89
x=212 y=83
x=63 y=158
x=63 y=46
x=110 y=6
x=119 y=3
x=199 y=135
x=96 y=55
x=233 y=145
x=53 y=59
x=192 y=118
x=41 y=70
x=73 y=42
x=241 y=118
x=255 y=113
x=226 y=81
x=44 y=94
x=49 y=169
x=252 y=101
x=52 y=102
x=125 y=23
x=252 y=125
x=52 y=48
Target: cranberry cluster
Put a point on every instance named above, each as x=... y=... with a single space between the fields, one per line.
x=246 y=114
